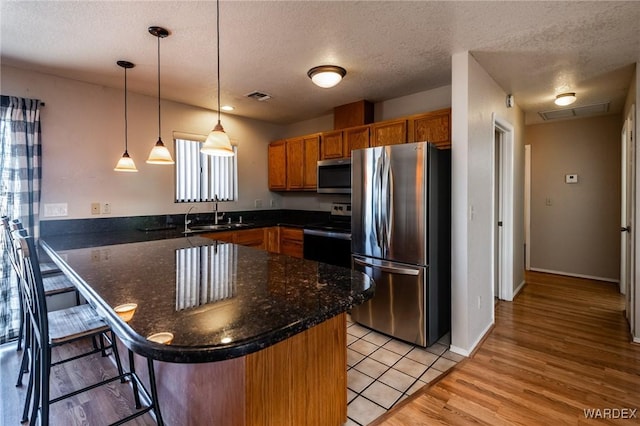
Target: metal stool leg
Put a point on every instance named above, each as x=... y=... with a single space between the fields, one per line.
x=134 y=382
x=154 y=392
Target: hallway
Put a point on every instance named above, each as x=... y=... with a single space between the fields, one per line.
x=556 y=355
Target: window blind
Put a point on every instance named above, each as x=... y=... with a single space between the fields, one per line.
x=201 y=177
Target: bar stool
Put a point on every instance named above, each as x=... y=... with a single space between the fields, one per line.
x=52 y=329
x=55 y=282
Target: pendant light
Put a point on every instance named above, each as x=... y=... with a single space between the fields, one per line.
x=218 y=142
x=125 y=163
x=159 y=154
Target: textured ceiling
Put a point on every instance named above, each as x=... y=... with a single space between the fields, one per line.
x=534 y=50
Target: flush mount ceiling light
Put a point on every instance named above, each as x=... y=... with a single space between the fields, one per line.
x=125 y=163
x=218 y=142
x=159 y=154
x=326 y=76
x=565 y=99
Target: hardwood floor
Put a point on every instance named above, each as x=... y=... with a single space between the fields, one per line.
x=562 y=347
x=99 y=406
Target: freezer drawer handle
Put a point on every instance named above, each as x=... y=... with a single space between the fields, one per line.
x=386 y=268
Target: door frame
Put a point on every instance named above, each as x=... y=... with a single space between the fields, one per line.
x=507 y=176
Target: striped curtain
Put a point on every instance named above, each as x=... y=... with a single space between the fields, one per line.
x=20 y=168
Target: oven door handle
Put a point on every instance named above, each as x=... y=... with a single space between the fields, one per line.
x=387 y=268
x=328 y=234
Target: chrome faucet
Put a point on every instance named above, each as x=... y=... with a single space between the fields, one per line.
x=186 y=221
x=215 y=209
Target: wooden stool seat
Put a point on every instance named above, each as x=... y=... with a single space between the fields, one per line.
x=74 y=323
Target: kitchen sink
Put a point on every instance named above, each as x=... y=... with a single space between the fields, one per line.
x=212 y=227
x=217 y=227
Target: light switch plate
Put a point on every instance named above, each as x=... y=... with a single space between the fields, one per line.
x=573 y=178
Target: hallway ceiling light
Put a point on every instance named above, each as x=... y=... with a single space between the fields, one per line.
x=565 y=99
x=218 y=143
x=159 y=154
x=125 y=163
x=326 y=76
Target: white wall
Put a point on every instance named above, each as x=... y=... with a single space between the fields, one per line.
x=475 y=98
x=83 y=137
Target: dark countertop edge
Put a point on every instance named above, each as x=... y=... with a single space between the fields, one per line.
x=179 y=354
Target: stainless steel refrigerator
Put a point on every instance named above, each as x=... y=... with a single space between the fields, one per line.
x=401 y=237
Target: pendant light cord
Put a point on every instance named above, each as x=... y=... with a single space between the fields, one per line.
x=218 y=51
x=126 y=145
x=159 y=131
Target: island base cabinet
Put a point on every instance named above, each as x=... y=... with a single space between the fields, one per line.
x=299 y=381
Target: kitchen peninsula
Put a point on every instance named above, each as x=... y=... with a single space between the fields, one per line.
x=258 y=338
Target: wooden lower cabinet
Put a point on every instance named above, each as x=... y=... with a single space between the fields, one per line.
x=291 y=241
x=299 y=381
x=275 y=239
x=272 y=239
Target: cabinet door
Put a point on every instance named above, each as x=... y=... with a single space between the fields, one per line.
x=356 y=138
x=311 y=154
x=389 y=132
x=272 y=239
x=295 y=163
x=432 y=127
x=250 y=238
x=291 y=242
x=332 y=145
x=226 y=236
x=277 y=166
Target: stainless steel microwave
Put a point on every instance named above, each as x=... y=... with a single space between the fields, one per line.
x=334 y=176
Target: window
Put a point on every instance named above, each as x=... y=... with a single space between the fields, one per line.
x=201 y=177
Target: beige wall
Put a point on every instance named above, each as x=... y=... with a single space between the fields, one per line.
x=83 y=137
x=579 y=233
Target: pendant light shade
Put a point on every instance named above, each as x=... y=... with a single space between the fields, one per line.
x=218 y=143
x=125 y=163
x=326 y=76
x=159 y=154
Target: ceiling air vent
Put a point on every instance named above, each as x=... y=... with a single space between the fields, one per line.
x=580 y=111
x=258 y=96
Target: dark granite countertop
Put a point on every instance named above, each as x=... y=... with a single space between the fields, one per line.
x=206 y=293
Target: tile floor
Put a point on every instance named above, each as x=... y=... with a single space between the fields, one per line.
x=382 y=371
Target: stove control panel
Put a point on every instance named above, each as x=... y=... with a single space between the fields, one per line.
x=340 y=209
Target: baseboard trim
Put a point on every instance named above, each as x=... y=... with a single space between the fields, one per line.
x=469 y=352
x=569 y=274
x=518 y=289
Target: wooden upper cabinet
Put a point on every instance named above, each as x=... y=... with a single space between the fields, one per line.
x=356 y=138
x=332 y=145
x=311 y=157
x=302 y=161
x=277 y=165
x=389 y=132
x=295 y=163
x=432 y=127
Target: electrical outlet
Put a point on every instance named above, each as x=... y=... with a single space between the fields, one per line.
x=95 y=208
x=272 y=203
x=571 y=178
x=258 y=203
x=106 y=208
x=547 y=202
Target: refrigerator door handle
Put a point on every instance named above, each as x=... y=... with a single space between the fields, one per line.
x=377 y=199
x=387 y=268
